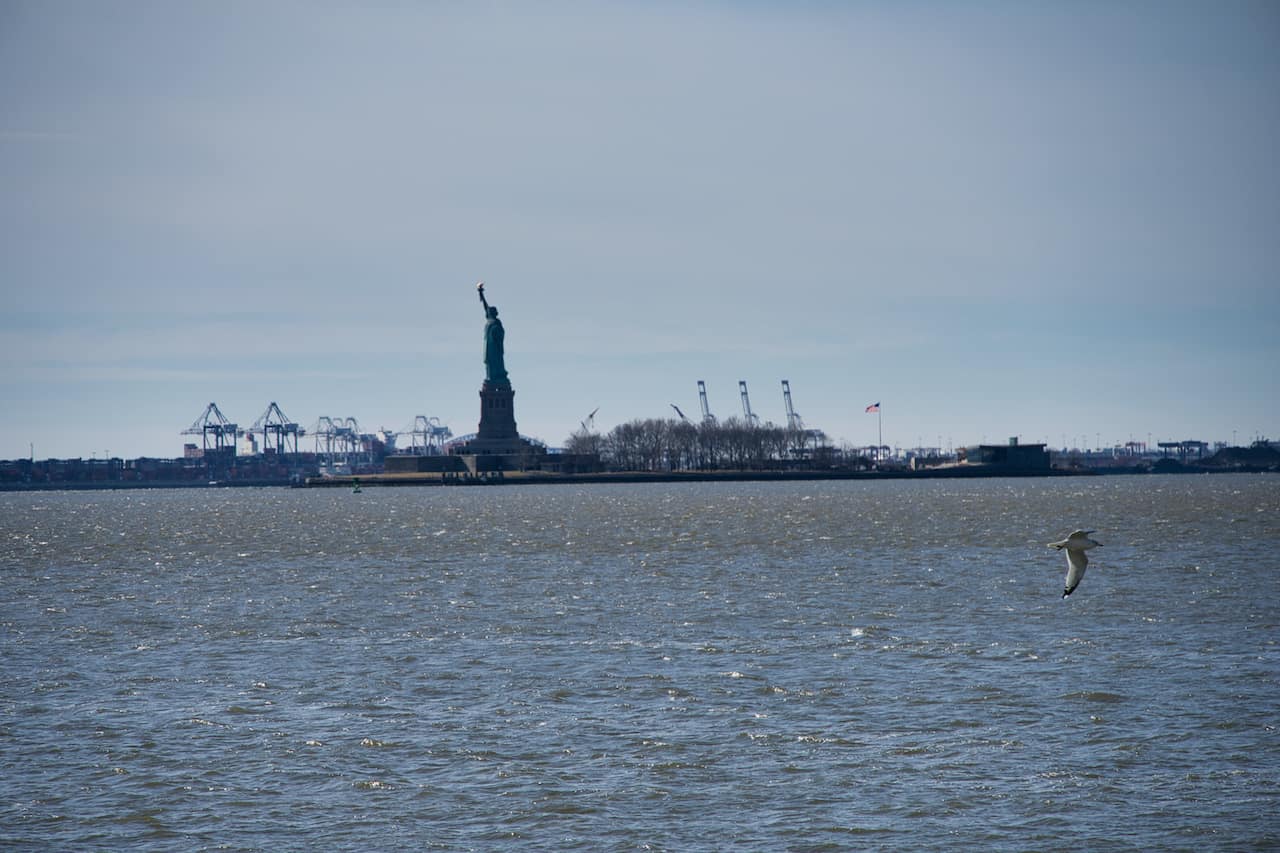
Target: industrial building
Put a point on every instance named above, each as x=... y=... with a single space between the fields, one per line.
x=1012 y=456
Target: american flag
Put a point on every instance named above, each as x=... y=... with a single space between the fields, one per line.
x=874 y=407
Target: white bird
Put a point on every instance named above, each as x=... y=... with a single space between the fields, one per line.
x=1075 y=544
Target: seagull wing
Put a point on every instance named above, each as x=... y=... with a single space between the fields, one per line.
x=1077 y=560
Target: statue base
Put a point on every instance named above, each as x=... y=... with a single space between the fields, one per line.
x=497 y=434
x=497 y=414
x=498 y=447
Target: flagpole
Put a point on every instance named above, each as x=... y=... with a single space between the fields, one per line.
x=879 y=428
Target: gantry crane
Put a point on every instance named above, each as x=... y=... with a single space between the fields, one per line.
x=274 y=425
x=333 y=432
x=428 y=436
x=326 y=433
x=339 y=436
x=213 y=423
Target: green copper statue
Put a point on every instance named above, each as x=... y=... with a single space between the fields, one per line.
x=495 y=370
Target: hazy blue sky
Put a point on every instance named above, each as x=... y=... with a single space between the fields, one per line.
x=1037 y=219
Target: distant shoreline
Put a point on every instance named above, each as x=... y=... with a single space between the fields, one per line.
x=631 y=477
x=517 y=478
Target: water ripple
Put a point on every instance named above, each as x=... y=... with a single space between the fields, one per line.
x=769 y=666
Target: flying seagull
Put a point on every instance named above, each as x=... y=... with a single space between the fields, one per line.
x=1075 y=544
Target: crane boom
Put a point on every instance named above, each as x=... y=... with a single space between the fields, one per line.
x=793 y=420
x=746 y=404
x=212 y=422
x=278 y=432
x=707 y=417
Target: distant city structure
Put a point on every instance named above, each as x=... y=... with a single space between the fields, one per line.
x=270 y=452
x=648 y=446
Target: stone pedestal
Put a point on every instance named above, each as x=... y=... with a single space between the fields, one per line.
x=497 y=445
x=497 y=435
x=497 y=414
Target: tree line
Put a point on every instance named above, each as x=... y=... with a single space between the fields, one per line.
x=655 y=444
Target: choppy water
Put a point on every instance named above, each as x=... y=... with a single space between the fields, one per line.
x=806 y=666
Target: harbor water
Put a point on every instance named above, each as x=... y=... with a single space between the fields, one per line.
x=882 y=665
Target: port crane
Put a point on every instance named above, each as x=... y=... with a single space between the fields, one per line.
x=278 y=432
x=339 y=436
x=326 y=433
x=680 y=413
x=427 y=435
x=752 y=418
x=793 y=420
x=213 y=423
x=707 y=417
x=349 y=433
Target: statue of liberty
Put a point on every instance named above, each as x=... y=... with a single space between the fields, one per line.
x=495 y=370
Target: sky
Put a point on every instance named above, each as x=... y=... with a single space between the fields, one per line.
x=1054 y=221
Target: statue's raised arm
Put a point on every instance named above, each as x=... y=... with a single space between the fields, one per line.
x=483 y=301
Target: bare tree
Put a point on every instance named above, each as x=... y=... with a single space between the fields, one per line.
x=669 y=445
x=584 y=441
